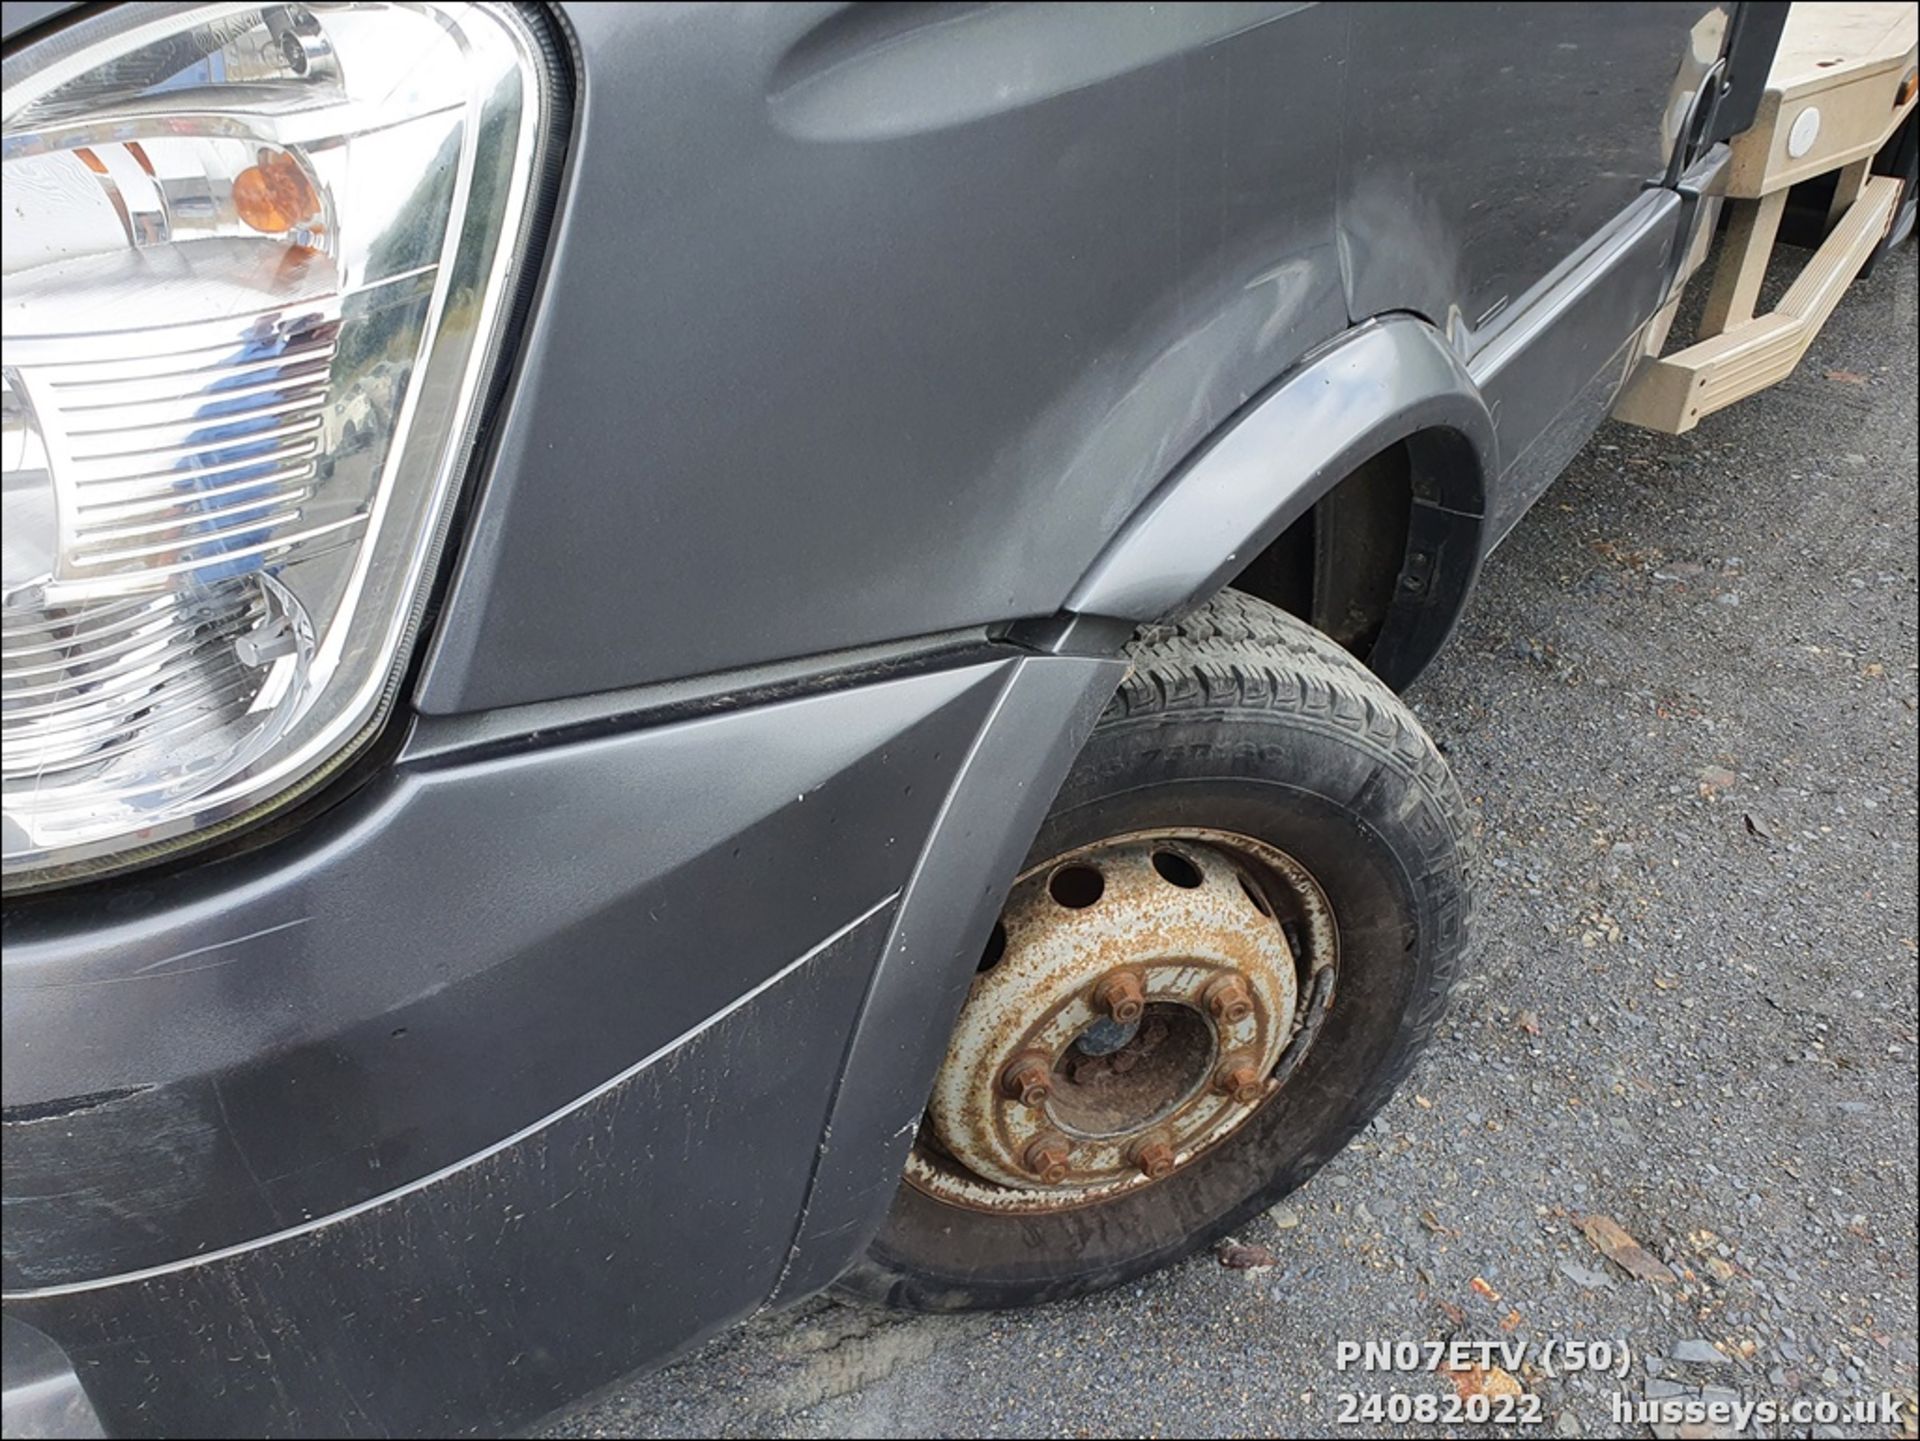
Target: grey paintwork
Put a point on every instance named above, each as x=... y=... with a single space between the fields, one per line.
x=1459 y=191
x=1572 y=329
x=1372 y=388
x=889 y=364
x=628 y=1208
x=971 y=857
x=954 y=393
x=579 y=1200
x=974 y=348
x=463 y=947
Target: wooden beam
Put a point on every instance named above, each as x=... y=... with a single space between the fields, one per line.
x=1743 y=263
x=1673 y=393
x=1847 y=186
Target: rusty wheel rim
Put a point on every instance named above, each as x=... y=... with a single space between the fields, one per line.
x=1141 y=999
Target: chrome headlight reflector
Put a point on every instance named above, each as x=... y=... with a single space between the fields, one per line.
x=257 y=261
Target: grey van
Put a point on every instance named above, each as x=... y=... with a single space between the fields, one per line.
x=659 y=657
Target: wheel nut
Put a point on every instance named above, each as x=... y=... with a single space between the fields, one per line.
x=1227 y=999
x=1239 y=1078
x=1153 y=1156
x=1119 y=994
x=1028 y=1078
x=1047 y=1156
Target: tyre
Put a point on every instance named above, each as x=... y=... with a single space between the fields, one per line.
x=1236 y=929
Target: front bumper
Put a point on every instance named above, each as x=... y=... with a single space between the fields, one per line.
x=509 y=1073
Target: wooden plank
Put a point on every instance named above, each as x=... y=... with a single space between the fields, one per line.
x=1843 y=61
x=1824 y=43
x=1661 y=398
x=1847 y=187
x=1743 y=262
x=1818 y=288
x=1674 y=393
x=1837 y=73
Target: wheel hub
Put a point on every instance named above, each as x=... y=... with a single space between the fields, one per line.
x=1140 y=995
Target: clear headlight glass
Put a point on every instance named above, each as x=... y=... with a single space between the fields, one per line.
x=256 y=264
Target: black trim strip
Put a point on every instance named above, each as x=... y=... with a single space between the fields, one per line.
x=478 y=735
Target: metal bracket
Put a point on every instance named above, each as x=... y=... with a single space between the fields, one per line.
x=1699 y=110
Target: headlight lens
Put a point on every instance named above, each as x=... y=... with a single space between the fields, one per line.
x=256 y=260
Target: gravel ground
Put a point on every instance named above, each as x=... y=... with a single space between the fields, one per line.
x=1683 y=703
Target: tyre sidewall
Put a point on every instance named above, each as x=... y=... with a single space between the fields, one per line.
x=1364 y=824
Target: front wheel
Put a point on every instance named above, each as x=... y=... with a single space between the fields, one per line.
x=1236 y=929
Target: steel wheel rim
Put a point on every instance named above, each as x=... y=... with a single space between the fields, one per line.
x=1034 y=1110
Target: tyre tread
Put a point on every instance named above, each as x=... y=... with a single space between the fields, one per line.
x=1239 y=653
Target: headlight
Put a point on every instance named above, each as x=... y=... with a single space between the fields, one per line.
x=256 y=264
